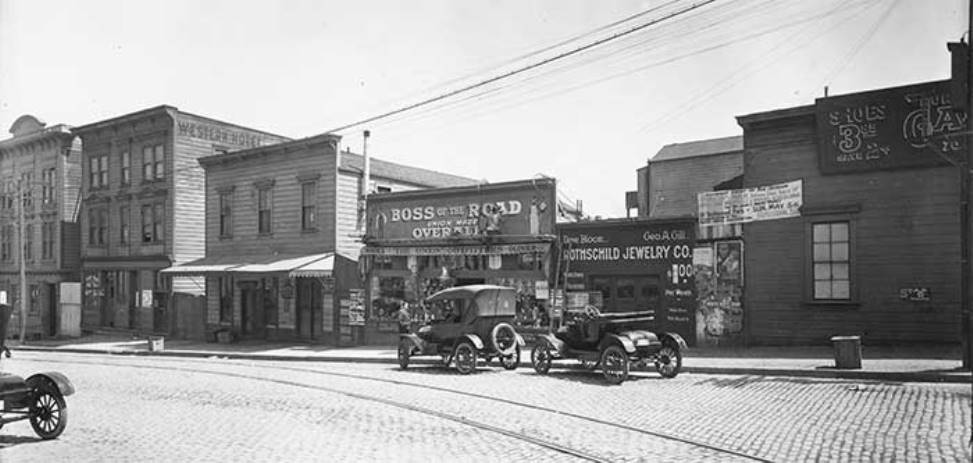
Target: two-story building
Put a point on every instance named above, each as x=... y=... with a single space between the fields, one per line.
x=143 y=209
x=40 y=167
x=283 y=233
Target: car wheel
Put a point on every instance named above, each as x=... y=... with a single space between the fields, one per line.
x=511 y=362
x=405 y=350
x=48 y=412
x=614 y=364
x=465 y=356
x=541 y=358
x=504 y=338
x=668 y=362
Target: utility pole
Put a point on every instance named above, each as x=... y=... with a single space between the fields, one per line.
x=22 y=247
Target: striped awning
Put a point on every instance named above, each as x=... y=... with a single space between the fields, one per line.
x=281 y=265
x=317 y=269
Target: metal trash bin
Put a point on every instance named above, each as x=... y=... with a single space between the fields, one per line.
x=847 y=352
x=156 y=343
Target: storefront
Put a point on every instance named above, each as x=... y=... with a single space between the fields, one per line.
x=419 y=242
x=633 y=265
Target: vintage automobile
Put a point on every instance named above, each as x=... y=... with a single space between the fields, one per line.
x=612 y=341
x=471 y=321
x=39 y=398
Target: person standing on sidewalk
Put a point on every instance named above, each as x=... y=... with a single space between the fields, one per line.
x=404 y=318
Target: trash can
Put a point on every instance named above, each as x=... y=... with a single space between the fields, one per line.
x=847 y=352
x=156 y=343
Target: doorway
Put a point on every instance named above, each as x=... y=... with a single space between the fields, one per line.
x=52 y=303
x=251 y=317
x=308 y=300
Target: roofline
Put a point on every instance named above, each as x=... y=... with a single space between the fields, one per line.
x=787 y=113
x=718 y=153
x=59 y=130
x=215 y=159
x=169 y=110
x=634 y=221
x=135 y=115
x=398 y=195
x=210 y=119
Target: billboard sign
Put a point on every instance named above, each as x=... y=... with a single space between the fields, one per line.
x=770 y=202
x=910 y=126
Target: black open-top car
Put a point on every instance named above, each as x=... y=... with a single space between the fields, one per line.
x=470 y=322
x=39 y=398
x=612 y=341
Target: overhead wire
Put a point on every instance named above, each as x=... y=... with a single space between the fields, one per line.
x=659 y=62
x=853 y=51
x=521 y=69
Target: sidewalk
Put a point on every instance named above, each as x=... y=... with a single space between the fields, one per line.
x=914 y=364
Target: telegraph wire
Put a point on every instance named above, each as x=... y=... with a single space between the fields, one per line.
x=859 y=45
x=659 y=62
x=521 y=69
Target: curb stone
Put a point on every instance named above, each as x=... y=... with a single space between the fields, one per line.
x=896 y=376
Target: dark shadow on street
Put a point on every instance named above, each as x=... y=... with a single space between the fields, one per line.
x=744 y=381
x=7 y=441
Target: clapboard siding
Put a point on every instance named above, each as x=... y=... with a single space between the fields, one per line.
x=905 y=234
x=283 y=169
x=197 y=137
x=673 y=184
x=349 y=188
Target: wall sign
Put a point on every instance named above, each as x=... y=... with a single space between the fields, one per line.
x=524 y=208
x=915 y=294
x=890 y=128
x=769 y=202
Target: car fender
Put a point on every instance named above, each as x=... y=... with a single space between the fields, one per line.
x=60 y=381
x=520 y=340
x=416 y=341
x=552 y=342
x=669 y=336
x=473 y=339
x=623 y=341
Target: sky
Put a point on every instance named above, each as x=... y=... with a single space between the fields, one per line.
x=591 y=118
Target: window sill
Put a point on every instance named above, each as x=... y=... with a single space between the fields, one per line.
x=309 y=230
x=225 y=237
x=265 y=234
x=832 y=305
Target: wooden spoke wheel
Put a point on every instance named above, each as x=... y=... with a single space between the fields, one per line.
x=541 y=358
x=465 y=357
x=48 y=412
x=614 y=364
x=668 y=362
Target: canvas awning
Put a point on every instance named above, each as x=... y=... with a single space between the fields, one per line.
x=317 y=269
x=255 y=264
x=202 y=266
x=281 y=264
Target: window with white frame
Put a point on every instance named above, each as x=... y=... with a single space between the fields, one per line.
x=831 y=260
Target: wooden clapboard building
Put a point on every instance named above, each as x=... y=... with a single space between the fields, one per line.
x=143 y=209
x=45 y=162
x=283 y=233
x=876 y=248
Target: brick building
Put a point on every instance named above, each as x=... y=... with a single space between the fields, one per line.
x=283 y=237
x=46 y=162
x=143 y=209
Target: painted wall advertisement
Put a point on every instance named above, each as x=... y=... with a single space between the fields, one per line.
x=910 y=126
x=635 y=266
x=719 y=286
x=522 y=209
x=769 y=202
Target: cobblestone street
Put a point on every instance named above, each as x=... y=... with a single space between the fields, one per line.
x=171 y=409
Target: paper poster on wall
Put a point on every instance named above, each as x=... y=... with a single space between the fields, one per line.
x=3 y=297
x=541 y=290
x=146 y=299
x=769 y=202
x=356 y=308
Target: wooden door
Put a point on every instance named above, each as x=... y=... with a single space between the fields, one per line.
x=308 y=302
x=251 y=319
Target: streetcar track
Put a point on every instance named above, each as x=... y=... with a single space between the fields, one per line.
x=459 y=419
